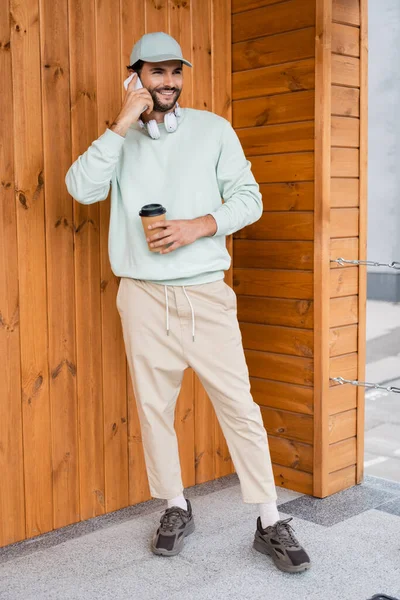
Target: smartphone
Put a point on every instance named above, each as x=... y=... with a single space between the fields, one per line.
x=138 y=85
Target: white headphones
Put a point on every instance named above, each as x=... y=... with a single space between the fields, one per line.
x=170 y=122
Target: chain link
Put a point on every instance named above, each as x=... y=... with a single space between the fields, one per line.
x=341 y=380
x=341 y=261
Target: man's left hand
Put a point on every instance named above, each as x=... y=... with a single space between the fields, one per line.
x=180 y=232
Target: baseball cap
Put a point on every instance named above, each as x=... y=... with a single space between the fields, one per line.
x=156 y=47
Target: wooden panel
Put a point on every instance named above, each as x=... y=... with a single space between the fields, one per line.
x=283 y=167
x=345 y=40
x=281 y=367
x=345 y=70
x=280 y=226
x=278 y=79
x=272 y=311
x=345 y=162
x=343 y=340
x=345 y=132
x=284 y=108
x=293 y=479
x=346 y=11
x=290 y=196
x=345 y=101
x=277 y=49
x=342 y=398
x=291 y=453
x=288 y=425
x=342 y=454
x=285 y=396
x=273 y=255
x=270 y=338
x=344 y=366
x=344 y=222
x=274 y=283
x=242 y=5
x=346 y=248
x=292 y=137
x=343 y=311
x=344 y=282
x=342 y=426
x=277 y=18
x=344 y=192
x=341 y=480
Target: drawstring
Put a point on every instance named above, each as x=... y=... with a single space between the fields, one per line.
x=167 y=309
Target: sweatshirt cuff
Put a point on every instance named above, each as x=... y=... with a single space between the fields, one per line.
x=111 y=141
x=222 y=218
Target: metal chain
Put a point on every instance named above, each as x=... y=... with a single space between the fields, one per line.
x=370 y=263
x=341 y=380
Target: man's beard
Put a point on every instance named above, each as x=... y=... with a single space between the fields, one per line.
x=168 y=102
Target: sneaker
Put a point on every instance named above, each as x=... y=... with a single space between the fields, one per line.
x=279 y=542
x=176 y=524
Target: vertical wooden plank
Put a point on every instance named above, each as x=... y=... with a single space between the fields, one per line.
x=132 y=28
x=60 y=261
x=12 y=509
x=363 y=228
x=108 y=61
x=156 y=15
x=221 y=57
x=322 y=156
x=29 y=194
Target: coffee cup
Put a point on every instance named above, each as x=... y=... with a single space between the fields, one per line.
x=151 y=213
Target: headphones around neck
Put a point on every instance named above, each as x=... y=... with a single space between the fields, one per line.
x=170 y=122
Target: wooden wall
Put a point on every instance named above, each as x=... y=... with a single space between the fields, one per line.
x=298 y=73
x=70 y=438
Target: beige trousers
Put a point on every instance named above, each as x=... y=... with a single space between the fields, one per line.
x=167 y=329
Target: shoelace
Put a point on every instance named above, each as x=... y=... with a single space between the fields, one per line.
x=286 y=533
x=169 y=518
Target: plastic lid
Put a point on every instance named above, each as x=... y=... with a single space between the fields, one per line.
x=152 y=210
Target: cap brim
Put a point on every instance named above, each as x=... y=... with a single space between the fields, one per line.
x=162 y=57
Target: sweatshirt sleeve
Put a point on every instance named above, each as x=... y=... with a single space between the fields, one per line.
x=88 y=178
x=240 y=191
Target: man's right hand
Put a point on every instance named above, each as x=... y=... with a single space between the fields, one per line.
x=132 y=107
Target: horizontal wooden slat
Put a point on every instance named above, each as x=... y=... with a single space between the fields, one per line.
x=345 y=131
x=346 y=11
x=344 y=222
x=284 y=396
x=341 y=480
x=344 y=192
x=269 y=20
x=242 y=5
x=345 y=162
x=343 y=340
x=260 y=254
x=288 y=425
x=345 y=101
x=280 y=226
x=290 y=196
x=272 y=168
x=345 y=70
x=345 y=40
x=275 y=311
x=342 y=454
x=341 y=398
x=274 y=50
x=289 y=137
x=272 y=338
x=343 y=311
x=344 y=365
x=276 y=79
x=342 y=426
x=272 y=283
x=344 y=282
x=346 y=248
x=283 y=108
x=293 y=479
x=281 y=367
x=290 y=453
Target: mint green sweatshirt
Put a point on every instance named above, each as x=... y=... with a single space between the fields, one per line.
x=187 y=171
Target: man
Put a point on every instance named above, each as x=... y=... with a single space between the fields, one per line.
x=176 y=309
